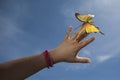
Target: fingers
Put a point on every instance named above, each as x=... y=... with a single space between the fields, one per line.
x=86 y=42
x=81 y=37
x=68 y=32
x=82 y=59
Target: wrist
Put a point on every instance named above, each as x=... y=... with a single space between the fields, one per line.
x=54 y=55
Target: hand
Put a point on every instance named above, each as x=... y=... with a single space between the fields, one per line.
x=68 y=49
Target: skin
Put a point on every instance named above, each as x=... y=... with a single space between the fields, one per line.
x=22 y=68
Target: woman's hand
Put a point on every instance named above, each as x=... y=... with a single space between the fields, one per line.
x=68 y=49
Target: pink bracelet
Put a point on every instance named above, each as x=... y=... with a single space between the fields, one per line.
x=48 y=59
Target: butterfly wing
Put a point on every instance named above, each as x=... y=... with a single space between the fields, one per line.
x=84 y=18
x=92 y=29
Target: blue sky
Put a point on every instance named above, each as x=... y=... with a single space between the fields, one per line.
x=28 y=27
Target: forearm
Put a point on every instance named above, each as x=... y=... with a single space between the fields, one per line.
x=22 y=68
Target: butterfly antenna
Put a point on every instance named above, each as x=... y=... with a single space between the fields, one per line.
x=102 y=33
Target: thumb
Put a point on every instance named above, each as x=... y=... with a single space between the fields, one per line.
x=82 y=60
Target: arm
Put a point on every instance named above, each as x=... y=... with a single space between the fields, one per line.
x=24 y=67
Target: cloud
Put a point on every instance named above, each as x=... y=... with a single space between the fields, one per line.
x=104 y=58
x=8 y=27
x=75 y=66
x=114 y=53
x=11 y=32
x=10 y=14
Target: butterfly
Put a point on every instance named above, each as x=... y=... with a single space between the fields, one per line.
x=88 y=24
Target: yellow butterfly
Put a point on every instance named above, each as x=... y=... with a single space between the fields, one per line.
x=88 y=25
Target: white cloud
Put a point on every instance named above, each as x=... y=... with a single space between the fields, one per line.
x=104 y=58
x=11 y=32
x=86 y=52
x=8 y=27
x=75 y=66
x=9 y=16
